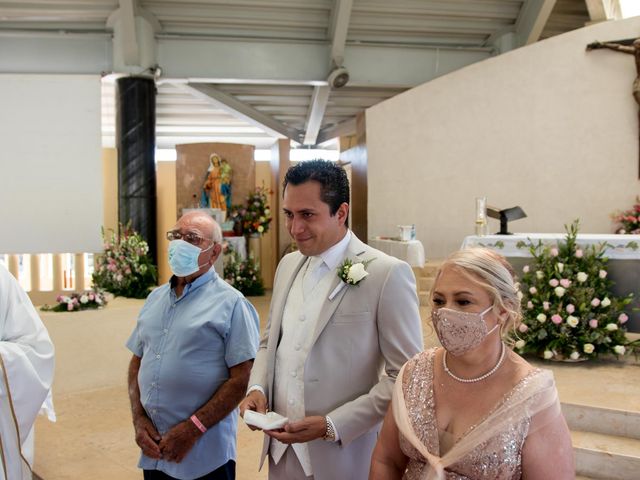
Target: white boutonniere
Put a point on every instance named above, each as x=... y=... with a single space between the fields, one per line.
x=351 y=273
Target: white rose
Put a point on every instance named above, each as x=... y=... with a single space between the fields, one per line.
x=574 y=356
x=612 y=327
x=84 y=299
x=356 y=273
x=547 y=354
x=560 y=267
x=539 y=274
x=559 y=291
x=533 y=290
x=588 y=348
x=605 y=302
x=602 y=273
x=520 y=295
x=572 y=321
x=519 y=344
x=582 y=277
x=619 y=349
x=525 y=269
x=541 y=317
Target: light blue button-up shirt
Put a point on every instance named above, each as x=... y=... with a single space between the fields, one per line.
x=187 y=346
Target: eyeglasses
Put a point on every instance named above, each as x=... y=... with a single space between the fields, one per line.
x=189 y=237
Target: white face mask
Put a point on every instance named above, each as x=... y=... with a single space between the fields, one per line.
x=460 y=332
x=183 y=258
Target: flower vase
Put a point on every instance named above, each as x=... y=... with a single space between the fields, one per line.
x=254 y=246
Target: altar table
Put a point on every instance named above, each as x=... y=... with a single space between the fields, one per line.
x=623 y=252
x=411 y=251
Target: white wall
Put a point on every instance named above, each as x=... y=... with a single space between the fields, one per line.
x=549 y=127
x=50 y=164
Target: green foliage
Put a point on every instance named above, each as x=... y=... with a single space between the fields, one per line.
x=244 y=275
x=125 y=268
x=569 y=311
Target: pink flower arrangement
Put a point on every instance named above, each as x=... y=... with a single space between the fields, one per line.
x=77 y=301
x=629 y=220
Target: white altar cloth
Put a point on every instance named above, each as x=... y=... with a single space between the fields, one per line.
x=411 y=251
x=517 y=245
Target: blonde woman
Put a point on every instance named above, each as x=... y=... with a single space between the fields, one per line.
x=473 y=409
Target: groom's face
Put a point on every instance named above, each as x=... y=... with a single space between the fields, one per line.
x=309 y=220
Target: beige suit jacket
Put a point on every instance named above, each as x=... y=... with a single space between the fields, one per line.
x=362 y=338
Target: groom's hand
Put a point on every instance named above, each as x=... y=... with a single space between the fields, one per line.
x=305 y=430
x=255 y=401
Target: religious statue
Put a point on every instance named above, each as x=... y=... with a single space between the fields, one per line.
x=631 y=47
x=226 y=175
x=213 y=183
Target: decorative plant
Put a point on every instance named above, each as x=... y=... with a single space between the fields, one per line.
x=244 y=275
x=629 y=220
x=256 y=216
x=77 y=301
x=125 y=268
x=569 y=312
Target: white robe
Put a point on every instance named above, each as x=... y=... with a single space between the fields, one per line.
x=26 y=374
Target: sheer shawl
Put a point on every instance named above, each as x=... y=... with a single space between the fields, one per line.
x=538 y=400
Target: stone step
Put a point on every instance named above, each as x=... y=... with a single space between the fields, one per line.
x=425 y=283
x=429 y=269
x=606 y=456
x=605 y=421
x=423 y=296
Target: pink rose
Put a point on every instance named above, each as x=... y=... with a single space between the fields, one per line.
x=553 y=282
x=565 y=282
x=523 y=328
x=593 y=323
x=545 y=305
x=557 y=319
x=623 y=317
x=579 y=253
x=595 y=302
x=533 y=290
x=554 y=252
x=529 y=304
x=570 y=308
x=70 y=306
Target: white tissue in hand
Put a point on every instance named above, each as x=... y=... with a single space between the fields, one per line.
x=270 y=421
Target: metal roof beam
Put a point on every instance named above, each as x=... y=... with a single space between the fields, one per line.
x=276 y=63
x=338 y=28
x=348 y=127
x=532 y=19
x=241 y=110
x=316 y=114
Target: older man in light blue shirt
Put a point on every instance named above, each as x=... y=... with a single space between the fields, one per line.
x=193 y=348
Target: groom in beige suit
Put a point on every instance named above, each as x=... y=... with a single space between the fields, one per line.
x=331 y=351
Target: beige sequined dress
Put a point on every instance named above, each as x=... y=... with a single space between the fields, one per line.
x=497 y=458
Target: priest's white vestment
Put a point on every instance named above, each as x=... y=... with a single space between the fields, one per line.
x=26 y=375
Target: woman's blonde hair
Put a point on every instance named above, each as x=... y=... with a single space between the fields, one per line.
x=492 y=272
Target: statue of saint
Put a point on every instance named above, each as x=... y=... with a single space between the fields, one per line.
x=226 y=175
x=213 y=183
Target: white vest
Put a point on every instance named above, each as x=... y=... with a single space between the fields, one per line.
x=299 y=321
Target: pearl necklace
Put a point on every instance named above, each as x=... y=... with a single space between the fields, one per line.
x=477 y=379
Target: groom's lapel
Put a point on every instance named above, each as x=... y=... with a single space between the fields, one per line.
x=330 y=304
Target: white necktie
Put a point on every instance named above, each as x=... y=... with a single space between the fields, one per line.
x=310 y=279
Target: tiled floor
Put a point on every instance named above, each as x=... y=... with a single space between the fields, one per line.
x=93 y=437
